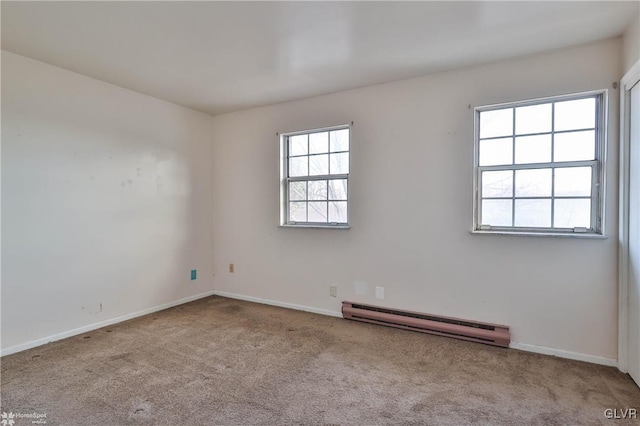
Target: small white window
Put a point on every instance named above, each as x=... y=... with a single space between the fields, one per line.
x=539 y=165
x=315 y=178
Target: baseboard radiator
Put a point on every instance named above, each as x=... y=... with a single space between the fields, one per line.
x=490 y=334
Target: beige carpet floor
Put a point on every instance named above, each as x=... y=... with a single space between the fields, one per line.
x=220 y=361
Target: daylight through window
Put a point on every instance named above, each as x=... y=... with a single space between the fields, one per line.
x=539 y=165
x=315 y=177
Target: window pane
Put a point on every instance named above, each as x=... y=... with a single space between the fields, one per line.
x=298 y=212
x=338 y=211
x=533 y=149
x=533 y=119
x=312 y=156
x=533 y=213
x=297 y=191
x=318 y=143
x=338 y=189
x=496 y=212
x=318 y=190
x=298 y=166
x=574 y=146
x=573 y=181
x=533 y=183
x=339 y=140
x=317 y=211
x=318 y=165
x=339 y=163
x=298 y=145
x=497 y=184
x=572 y=115
x=572 y=213
x=494 y=152
x=494 y=123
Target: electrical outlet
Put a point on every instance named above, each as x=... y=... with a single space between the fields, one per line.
x=194 y=274
x=333 y=290
x=231 y=268
x=379 y=292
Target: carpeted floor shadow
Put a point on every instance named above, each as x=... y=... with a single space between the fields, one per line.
x=220 y=361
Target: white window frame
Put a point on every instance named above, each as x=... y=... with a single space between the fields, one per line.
x=285 y=179
x=598 y=165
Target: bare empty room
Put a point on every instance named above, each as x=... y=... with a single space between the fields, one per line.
x=358 y=213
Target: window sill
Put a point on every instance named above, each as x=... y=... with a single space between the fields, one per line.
x=316 y=226
x=544 y=234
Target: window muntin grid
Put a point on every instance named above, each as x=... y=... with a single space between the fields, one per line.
x=539 y=165
x=316 y=177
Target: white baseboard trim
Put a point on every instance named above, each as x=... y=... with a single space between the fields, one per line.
x=279 y=304
x=609 y=362
x=90 y=327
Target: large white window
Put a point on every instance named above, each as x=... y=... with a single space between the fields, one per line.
x=539 y=165
x=315 y=178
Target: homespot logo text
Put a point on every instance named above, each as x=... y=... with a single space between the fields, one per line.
x=9 y=419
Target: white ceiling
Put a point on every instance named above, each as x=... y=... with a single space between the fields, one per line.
x=217 y=57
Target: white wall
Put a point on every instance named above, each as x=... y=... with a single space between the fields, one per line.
x=106 y=200
x=631 y=45
x=411 y=208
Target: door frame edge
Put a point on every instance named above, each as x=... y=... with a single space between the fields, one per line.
x=630 y=79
